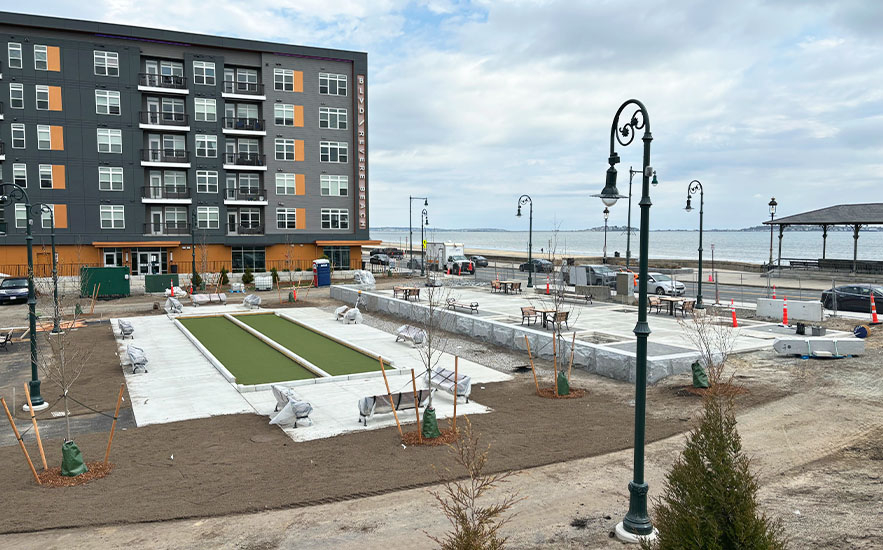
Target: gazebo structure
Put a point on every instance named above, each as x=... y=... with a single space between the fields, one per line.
x=856 y=216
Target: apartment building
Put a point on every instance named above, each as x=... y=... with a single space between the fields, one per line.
x=146 y=141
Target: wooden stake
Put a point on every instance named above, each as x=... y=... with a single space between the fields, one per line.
x=456 y=387
x=20 y=442
x=532 y=369
x=36 y=429
x=116 y=414
x=555 y=359
x=570 y=368
x=417 y=407
x=389 y=394
x=94 y=297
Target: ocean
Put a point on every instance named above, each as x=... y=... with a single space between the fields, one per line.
x=741 y=246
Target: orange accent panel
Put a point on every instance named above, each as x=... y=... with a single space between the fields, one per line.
x=299 y=116
x=134 y=244
x=299 y=149
x=60 y=215
x=298 y=81
x=53 y=56
x=55 y=98
x=300 y=218
x=56 y=138
x=349 y=243
x=58 y=176
x=300 y=184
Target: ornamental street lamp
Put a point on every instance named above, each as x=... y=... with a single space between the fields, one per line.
x=194 y=219
x=606 y=215
x=11 y=193
x=522 y=200
x=411 y=232
x=628 y=234
x=636 y=524
x=772 y=205
x=45 y=208
x=692 y=187
x=424 y=221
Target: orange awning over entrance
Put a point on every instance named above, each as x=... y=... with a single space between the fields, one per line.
x=136 y=244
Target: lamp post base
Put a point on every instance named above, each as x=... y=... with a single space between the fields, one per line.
x=41 y=407
x=632 y=538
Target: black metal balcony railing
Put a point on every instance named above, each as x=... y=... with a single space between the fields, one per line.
x=244 y=88
x=165 y=155
x=246 y=228
x=245 y=159
x=247 y=194
x=164 y=119
x=1 y=108
x=2 y=148
x=250 y=124
x=165 y=192
x=166 y=228
x=3 y=227
x=162 y=81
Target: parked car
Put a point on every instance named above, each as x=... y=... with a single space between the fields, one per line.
x=855 y=297
x=479 y=261
x=392 y=252
x=601 y=275
x=663 y=284
x=379 y=259
x=415 y=263
x=14 y=289
x=537 y=265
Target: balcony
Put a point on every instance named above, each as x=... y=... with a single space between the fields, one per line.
x=170 y=158
x=2 y=151
x=245 y=197
x=167 y=228
x=244 y=126
x=162 y=83
x=245 y=161
x=245 y=228
x=168 y=195
x=1 y=110
x=253 y=91
x=153 y=120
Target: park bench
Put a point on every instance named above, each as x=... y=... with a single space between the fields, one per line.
x=454 y=304
x=495 y=286
x=561 y=317
x=687 y=306
x=443 y=379
x=415 y=335
x=137 y=357
x=377 y=404
x=202 y=299
x=290 y=411
x=5 y=340
x=653 y=301
x=126 y=329
x=574 y=296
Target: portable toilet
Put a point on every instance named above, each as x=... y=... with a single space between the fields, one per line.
x=321 y=273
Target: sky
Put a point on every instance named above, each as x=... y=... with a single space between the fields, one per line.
x=475 y=103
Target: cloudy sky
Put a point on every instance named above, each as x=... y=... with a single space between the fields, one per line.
x=475 y=103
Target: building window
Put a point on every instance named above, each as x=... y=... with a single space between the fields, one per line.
x=283 y=80
x=339 y=256
x=250 y=184
x=42 y=93
x=110 y=141
x=175 y=181
x=207 y=217
x=106 y=63
x=110 y=178
x=250 y=257
x=286 y=218
x=206 y=146
x=333 y=151
x=206 y=181
x=284 y=149
x=204 y=73
x=334 y=186
x=335 y=218
x=41 y=58
x=107 y=102
x=331 y=118
x=285 y=184
x=14 y=49
x=16 y=96
x=21 y=216
x=45 y=176
x=18 y=136
x=332 y=84
x=112 y=217
x=284 y=114
x=44 y=137
x=206 y=110
x=46 y=218
x=20 y=174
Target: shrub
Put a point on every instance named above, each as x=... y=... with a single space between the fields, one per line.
x=225 y=280
x=710 y=495
x=247 y=277
x=196 y=281
x=275 y=275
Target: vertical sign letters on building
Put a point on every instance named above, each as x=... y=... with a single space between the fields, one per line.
x=363 y=152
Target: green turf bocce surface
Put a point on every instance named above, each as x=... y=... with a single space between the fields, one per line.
x=330 y=356
x=247 y=358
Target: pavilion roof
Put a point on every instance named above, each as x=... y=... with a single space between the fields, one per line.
x=870 y=213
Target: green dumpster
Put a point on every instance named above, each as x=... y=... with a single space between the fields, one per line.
x=113 y=281
x=159 y=283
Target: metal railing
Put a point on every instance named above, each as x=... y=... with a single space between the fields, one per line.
x=165 y=192
x=167 y=228
x=165 y=155
x=245 y=159
x=164 y=118
x=2 y=148
x=235 y=194
x=172 y=82
x=245 y=124
x=245 y=228
x=244 y=88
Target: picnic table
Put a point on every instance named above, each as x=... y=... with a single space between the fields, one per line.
x=510 y=286
x=547 y=314
x=672 y=301
x=407 y=292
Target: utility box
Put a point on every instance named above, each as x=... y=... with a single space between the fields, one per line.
x=321 y=273
x=110 y=282
x=263 y=282
x=159 y=283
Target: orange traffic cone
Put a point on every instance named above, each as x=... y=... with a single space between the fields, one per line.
x=172 y=284
x=547 y=284
x=709 y=278
x=733 y=308
x=774 y=292
x=785 y=312
x=874 y=320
